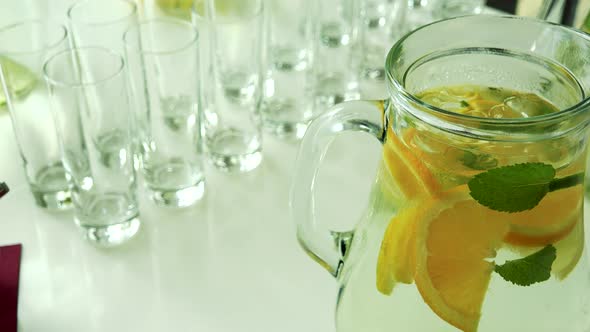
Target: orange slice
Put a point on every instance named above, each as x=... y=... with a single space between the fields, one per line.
x=396 y=256
x=411 y=175
x=444 y=244
x=552 y=220
x=452 y=247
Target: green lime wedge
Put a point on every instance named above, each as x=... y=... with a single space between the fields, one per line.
x=20 y=80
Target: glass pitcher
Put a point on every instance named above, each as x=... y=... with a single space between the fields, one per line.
x=475 y=220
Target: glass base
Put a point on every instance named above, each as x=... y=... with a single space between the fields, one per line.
x=286 y=131
x=371 y=66
x=236 y=163
x=107 y=219
x=53 y=200
x=110 y=235
x=50 y=188
x=178 y=198
x=282 y=118
x=233 y=150
x=174 y=182
x=332 y=90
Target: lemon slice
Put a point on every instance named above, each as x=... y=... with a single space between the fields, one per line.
x=408 y=171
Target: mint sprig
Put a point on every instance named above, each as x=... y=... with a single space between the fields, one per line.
x=518 y=187
x=528 y=270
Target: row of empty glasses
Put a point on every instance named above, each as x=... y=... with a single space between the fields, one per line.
x=119 y=97
x=155 y=97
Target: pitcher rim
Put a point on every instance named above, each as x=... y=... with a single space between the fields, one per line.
x=570 y=111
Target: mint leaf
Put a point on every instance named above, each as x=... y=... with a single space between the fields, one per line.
x=512 y=188
x=464 y=103
x=478 y=161
x=530 y=269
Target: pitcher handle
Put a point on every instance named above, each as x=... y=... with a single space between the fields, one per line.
x=326 y=247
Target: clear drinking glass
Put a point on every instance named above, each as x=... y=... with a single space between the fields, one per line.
x=288 y=90
x=232 y=74
x=452 y=8
x=101 y=23
x=93 y=116
x=24 y=47
x=475 y=221
x=382 y=23
x=336 y=68
x=420 y=12
x=163 y=72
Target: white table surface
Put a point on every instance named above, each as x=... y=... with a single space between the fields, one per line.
x=230 y=263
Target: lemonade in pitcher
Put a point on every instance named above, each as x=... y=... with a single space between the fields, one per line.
x=475 y=220
x=451 y=242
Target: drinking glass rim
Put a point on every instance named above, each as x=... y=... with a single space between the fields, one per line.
x=107 y=78
x=177 y=22
x=72 y=18
x=62 y=36
x=570 y=111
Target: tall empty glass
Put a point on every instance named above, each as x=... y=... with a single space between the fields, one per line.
x=452 y=8
x=24 y=47
x=91 y=110
x=164 y=76
x=382 y=23
x=101 y=22
x=231 y=81
x=336 y=64
x=420 y=12
x=288 y=93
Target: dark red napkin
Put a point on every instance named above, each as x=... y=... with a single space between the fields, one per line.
x=9 y=271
